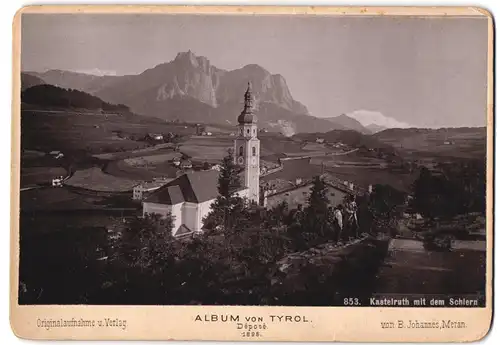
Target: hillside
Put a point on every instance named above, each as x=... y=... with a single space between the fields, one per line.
x=349 y=137
x=189 y=88
x=349 y=123
x=72 y=80
x=374 y=128
x=454 y=142
x=28 y=80
x=52 y=96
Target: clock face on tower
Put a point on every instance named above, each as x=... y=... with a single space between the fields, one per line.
x=240 y=160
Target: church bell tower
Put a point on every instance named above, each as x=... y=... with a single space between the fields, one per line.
x=247 y=147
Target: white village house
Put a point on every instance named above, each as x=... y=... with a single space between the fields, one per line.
x=56 y=154
x=144 y=188
x=189 y=197
x=155 y=136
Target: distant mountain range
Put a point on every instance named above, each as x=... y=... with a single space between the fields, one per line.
x=189 y=88
x=349 y=123
x=462 y=142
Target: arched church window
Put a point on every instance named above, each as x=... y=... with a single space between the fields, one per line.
x=248 y=131
x=241 y=150
x=254 y=131
x=254 y=151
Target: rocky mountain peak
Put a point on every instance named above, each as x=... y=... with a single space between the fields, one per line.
x=190 y=59
x=254 y=68
x=190 y=88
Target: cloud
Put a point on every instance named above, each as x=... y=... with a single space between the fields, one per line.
x=368 y=117
x=96 y=71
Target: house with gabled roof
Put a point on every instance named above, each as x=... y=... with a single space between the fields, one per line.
x=188 y=198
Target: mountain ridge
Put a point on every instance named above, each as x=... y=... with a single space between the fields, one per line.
x=349 y=123
x=374 y=128
x=190 y=88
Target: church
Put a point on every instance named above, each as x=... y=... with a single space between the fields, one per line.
x=189 y=197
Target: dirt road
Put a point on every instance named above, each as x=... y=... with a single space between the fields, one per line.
x=411 y=269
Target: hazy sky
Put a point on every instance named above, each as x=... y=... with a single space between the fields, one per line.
x=423 y=71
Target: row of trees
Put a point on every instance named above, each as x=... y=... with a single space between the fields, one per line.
x=451 y=190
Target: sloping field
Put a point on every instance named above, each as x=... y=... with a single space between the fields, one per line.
x=279 y=144
x=27 y=154
x=364 y=176
x=40 y=175
x=123 y=170
x=95 y=133
x=135 y=153
x=94 y=179
x=293 y=169
x=50 y=198
x=209 y=154
x=207 y=149
x=145 y=161
x=213 y=148
x=305 y=154
x=268 y=165
x=452 y=142
x=411 y=269
x=334 y=163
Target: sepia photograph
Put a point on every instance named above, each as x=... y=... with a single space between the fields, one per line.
x=190 y=159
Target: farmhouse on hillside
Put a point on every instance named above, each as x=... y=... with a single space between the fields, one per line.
x=296 y=194
x=155 y=136
x=176 y=161
x=186 y=164
x=56 y=154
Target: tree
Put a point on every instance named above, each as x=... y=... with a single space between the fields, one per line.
x=365 y=214
x=467 y=181
x=455 y=189
x=316 y=216
x=424 y=194
x=145 y=243
x=229 y=179
x=224 y=210
x=276 y=216
x=386 y=205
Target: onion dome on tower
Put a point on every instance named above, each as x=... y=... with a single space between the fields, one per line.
x=247 y=115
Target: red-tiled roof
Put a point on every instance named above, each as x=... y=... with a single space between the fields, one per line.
x=193 y=187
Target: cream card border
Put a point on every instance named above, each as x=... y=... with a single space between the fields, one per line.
x=178 y=322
